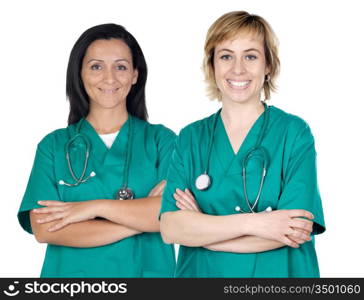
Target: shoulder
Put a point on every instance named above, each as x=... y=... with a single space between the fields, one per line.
x=55 y=138
x=295 y=129
x=292 y=123
x=155 y=131
x=198 y=127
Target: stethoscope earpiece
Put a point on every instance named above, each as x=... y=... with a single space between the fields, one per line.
x=238 y=209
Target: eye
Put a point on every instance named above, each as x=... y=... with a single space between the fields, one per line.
x=226 y=57
x=96 y=67
x=251 y=57
x=121 y=68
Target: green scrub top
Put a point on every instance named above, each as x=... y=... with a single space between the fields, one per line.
x=290 y=183
x=142 y=255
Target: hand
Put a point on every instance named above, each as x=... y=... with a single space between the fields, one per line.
x=299 y=236
x=158 y=189
x=65 y=212
x=185 y=200
x=285 y=226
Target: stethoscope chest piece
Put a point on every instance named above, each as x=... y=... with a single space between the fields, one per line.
x=124 y=194
x=203 y=182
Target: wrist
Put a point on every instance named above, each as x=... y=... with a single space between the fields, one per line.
x=247 y=224
x=98 y=209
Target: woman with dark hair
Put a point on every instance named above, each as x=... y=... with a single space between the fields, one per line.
x=108 y=151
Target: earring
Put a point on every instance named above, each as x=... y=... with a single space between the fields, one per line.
x=267 y=78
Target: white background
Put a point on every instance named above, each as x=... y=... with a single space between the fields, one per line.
x=321 y=49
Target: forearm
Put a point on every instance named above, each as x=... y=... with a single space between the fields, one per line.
x=140 y=214
x=92 y=233
x=245 y=244
x=195 y=229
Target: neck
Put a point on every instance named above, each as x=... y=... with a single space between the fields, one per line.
x=240 y=114
x=107 y=120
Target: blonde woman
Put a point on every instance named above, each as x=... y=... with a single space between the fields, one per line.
x=242 y=197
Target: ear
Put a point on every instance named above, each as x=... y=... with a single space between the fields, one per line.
x=267 y=70
x=135 y=76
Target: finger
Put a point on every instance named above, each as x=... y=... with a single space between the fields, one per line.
x=152 y=193
x=295 y=213
x=181 y=206
x=183 y=201
x=161 y=185
x=58 y=226
x=51 y=203
x=306 y=235
x=183 y=194
x=49 y=209
x=301 y=224
x=289 y=242
x=299 y=237
x=189 y=207
x=189 y=195
x=50 y=218
x=187 y=191
x=190 y=200
x=160 y=188
x=296 y=240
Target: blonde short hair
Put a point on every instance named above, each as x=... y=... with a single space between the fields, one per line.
x=228 y=26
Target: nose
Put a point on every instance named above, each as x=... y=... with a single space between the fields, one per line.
x=239 y=67
x=109 y=75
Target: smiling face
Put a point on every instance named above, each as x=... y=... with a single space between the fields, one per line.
x=107 y=73
x=240 y=68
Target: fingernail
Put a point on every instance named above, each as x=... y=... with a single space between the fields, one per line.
x=34 y=210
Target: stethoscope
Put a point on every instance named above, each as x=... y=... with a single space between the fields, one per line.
x=124 y=193
x=203 y=181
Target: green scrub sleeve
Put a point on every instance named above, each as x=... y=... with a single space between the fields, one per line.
x=300 y=189
x=41 y=184
x=176 y=177
x=165 y=139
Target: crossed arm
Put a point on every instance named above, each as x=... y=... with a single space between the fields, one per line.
x=239 y=233
x=73 y=224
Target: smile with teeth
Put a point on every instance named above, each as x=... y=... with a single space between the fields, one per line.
x=238 y=83
x=108 y=91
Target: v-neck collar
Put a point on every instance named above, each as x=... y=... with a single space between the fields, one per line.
x=117 y=151
x=230 y=162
